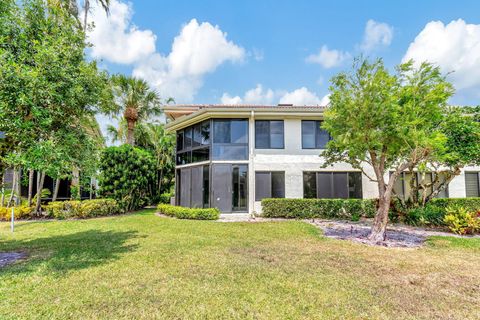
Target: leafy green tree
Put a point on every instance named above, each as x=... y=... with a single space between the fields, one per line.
x=127 y=175
x=383 y=123
x=135 y=100
x=153 y=138
x=46 y=84
x=462 y=148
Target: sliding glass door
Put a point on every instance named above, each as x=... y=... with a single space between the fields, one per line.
x=230 y=187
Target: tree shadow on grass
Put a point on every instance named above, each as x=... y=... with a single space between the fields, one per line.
x=62 y=253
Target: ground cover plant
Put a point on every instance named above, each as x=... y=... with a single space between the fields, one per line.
x=145 y=266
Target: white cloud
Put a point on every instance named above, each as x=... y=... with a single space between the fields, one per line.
x=328 y=58
x=376 y=34
x=115 y=38
x=454 y=47
x=227 y=99
x=198 y=50
x=256 y=95
x=259 y=95
x=300 y=97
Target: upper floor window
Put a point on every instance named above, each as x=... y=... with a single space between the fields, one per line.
x=230 y=139
x=472 y=184
x=313 y=136
x=332 y=185
x=269 y=134
x=269 y=185
x=193 y=143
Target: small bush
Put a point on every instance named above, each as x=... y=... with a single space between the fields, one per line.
x=165 y=198
x=189 y=213
x=461 y=221
x=433 y=213
x=352 y=209
x=20 y=212
x=83 y=209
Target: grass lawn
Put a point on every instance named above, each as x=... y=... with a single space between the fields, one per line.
x=144 y=266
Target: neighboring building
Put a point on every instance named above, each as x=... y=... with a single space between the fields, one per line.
x=232 y=156
x=49 y=183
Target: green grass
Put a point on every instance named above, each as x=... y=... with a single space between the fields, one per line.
x=144 y=266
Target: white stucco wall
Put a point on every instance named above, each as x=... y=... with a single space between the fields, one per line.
x=294 y=160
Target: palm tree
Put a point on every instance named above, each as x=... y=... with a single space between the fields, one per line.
x=86 y=7
x=72 y=7
x=135 y=100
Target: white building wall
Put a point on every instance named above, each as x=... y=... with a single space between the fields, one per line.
x=294 y=160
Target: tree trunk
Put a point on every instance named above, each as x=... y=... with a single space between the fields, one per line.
x=55 y=190
x=30 y=186
x=76 y=183
x=130 y=132
x=86 y=7
x=2 y=200
x=38 y=206
x=14 y=182
x=379 y=228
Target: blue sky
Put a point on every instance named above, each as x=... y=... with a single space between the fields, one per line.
x=272 y=48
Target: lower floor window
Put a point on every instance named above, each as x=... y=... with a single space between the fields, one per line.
x=426 y=181
x=472 y=184
x=341 y=185
x=269 y=184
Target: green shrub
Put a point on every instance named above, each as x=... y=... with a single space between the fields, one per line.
x=351 y=209
x=433 y=213
x=165 y=198
x=83 y=209
x=461 y=221
x=20 y=212
x=189 y=213
x=128 y=176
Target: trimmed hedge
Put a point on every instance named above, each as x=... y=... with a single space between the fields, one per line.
x=20 y=212
x=433 y=213
x=83 y=209
x=351 y=209
x=189 y=213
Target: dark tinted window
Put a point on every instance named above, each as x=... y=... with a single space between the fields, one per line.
x=206 y=186
x=262 y=134
x=269 y=185
x=309 y=185
x=472 y=187
x=324 y=185
x=188 y=138
x=313 y=136
x=221 y=131
x=355 y=185
x=239 y=131
x=230 y=139
x=202 y=154
x=269 y=134
x=308 y=134
x=197 y=135
x=179 y=140
x=278 y=185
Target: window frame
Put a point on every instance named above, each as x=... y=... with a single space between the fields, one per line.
x=316 y=133
x=477 y=173
x=270 y=184
x=269 y=143
x=331 y=177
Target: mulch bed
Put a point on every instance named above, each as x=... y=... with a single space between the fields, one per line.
x=397 y=236
x=7 y=258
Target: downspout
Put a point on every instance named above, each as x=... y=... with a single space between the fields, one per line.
x=251 y=166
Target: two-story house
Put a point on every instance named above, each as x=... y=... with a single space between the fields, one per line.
x=232 y=156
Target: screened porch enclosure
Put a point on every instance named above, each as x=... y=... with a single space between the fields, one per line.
x=222 y=186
